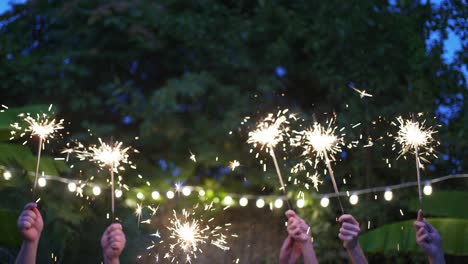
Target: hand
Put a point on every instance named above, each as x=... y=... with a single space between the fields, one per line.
x=30 y=223
x=428 y=238
x=113 y=242
x=349 y=231
x=298 y=236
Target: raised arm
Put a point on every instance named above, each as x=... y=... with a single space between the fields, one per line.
x=349 y=233
x=113 y=242
x=429 y=240
x=30 y=226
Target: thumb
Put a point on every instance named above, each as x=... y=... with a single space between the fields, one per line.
x=290 y=213
x=420 y=215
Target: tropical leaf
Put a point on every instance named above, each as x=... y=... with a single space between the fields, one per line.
x=9 y=237
x=442 y=203
x=400 y=236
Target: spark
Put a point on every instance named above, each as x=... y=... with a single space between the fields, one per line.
x=234 y=164
x=4 y=108
x=192 y=157
x=362 y=93
x=138 y=212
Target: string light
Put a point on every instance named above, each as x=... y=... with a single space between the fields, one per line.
x=201 y=193
x=186 y=191
x=324 y=202
x=228 y=200
x=72 y=187
x=118 y=193
x=260 y=203
x=354 y=199
x=243 y=201
x=278 y=203
x=170 y=194
x=300 y=203
x=96 y=190
x=42 y=182
x=388 y=195
x=7 y=175
x=140 y=196
x=155 y=195
x=427 y=190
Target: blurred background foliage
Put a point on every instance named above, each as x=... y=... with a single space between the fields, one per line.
x=181 y=75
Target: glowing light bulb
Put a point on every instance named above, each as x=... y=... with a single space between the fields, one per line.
x=228 y=200
x=243 y=201
x=324 y=202
x=186 y=191
x=155 y=195
x=427 y=190
x=42 y=182
x=260 y=203
x=7 y=175
x=140 y=196
x=278 y=203
x=354 y=199
x=72 y=186
x=388 y=195
x=300 y=203
x=201 y=193
x=96 y=190
x=118 y=193
x=170 y=194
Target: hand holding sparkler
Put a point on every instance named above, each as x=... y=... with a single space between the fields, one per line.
x=428 y=239
x=298 y=241
x=30 y=226
x=113 y=243
x=349 y=233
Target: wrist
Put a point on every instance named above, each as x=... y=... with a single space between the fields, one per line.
x=437 y=258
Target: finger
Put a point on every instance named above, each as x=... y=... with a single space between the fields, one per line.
x=348 y=233
x=421 y=232
x=25 y=225
x=348 y=218
x=30 y=206
x=344 y=238
x=352 y=227
x=421 y=238
x=115 y=233
x=420 y=215
x=419 y=224
x=430 y=228
x=27 y=219
x=290 y=213
x=29 y=213
x=37 y=213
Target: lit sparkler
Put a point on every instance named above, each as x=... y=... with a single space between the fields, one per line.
x=234 y=164
x=105 y=155
x=321 y=143
x=415 y=137
x=42 y=126
x=362 y=93
x=269 y=132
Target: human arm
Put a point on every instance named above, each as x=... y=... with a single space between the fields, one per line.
x=429 y=240
x=113 y=242
x=30 y=226
x=349 y=233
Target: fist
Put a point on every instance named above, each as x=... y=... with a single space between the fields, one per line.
x=30 y=223
x=349 y=231
x=297 y=227
x=113 y=242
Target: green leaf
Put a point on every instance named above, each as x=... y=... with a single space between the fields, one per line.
x=400 y=236
x=9 y=237
x=442 y=203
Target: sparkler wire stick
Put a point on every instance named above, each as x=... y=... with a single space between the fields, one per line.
x=332 y=174
x=278 y=172
x=37 y=168
x=112 y=190
x=419 y=176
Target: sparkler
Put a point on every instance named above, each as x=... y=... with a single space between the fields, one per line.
x=189 y=233
x=234 y=164
x=44 y=127
x=269 y=132
x=323 y=143
x=106 y=155
x=415 y=137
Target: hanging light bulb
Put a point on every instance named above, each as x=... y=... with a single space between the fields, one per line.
x=42 y=182
x=260 y=203
x=155 y=195
x=228 y=200
x=324 y=202
x=170 y=194
x=96 y=190
x=7 y=175
x=118 y=193
x=300 y=203
x=388 y=195
x=243 y=201
x=201 y=193
x=427 y=190
x=72 y=186
x=354 y=199
x=140 y=196
x=186 y=191
x=278 y=203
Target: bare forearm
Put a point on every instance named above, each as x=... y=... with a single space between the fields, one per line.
x=438 y=259
x=357 y=255
x=28 y=252
x=309 y=254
